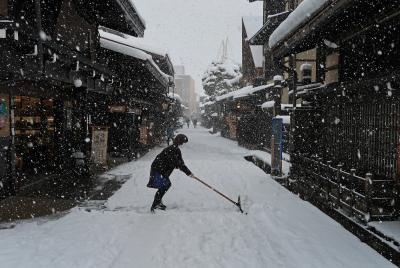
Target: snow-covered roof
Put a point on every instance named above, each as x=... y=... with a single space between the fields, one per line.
x=278 y=14
x=304 y=11
x=249 y=91
x=268 y=105
x=121 y=45
x=136 y=42
x=175 y=96
x=232 y=93
x=252 y=25
x=127 y=45
x=208 y=103
x=203 y=104
x=243 y=92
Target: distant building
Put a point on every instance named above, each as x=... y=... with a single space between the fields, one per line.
x=185 y=87
x=179 y=69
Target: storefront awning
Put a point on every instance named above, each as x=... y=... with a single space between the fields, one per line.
x=316 y=21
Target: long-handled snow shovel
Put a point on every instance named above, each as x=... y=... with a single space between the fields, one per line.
x=221 y=194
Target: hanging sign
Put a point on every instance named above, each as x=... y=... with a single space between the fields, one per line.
x=117 y=109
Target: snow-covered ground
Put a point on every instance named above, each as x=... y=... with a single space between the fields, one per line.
x=199 y=230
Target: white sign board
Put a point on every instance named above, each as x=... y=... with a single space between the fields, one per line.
x=99 y=145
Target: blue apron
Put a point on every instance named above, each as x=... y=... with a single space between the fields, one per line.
x=158 y=181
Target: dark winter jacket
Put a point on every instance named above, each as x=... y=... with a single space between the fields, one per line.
x=169 y=159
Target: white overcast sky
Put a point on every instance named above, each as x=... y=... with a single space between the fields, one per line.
x=192 y=30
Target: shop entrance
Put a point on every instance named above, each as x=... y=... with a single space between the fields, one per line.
x=34 y=137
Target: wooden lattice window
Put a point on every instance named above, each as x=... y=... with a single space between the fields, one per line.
x=3 y=8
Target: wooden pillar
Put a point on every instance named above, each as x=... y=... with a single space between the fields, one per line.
x=60 y=144
x=293 y=78
x=12 y=155
x=293 y=88
x=320 y=63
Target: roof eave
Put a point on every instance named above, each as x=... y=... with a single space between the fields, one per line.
x=134 y=20
x=295 y=41
x=261 y=37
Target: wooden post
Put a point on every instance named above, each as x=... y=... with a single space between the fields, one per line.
x=328 y=183
x=12 y=156
x=368 y=195
x=339 y=185
x=352 y=188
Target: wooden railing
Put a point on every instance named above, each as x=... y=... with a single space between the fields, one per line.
x=363 y=197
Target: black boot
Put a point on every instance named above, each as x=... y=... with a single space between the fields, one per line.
x=157 y=204
x=161 y=206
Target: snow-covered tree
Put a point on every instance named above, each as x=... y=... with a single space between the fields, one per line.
x=222 y=76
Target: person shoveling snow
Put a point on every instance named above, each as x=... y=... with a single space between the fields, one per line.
x=162 y=167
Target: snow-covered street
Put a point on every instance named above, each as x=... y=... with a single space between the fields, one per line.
x=200 y=229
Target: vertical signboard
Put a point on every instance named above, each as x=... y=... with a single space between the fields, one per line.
x=4 y=116
x=277 y=147
x=99 y=145
x=231 y=121
x=4 y=141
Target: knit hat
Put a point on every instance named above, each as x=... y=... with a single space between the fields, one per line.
x=180 y=139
